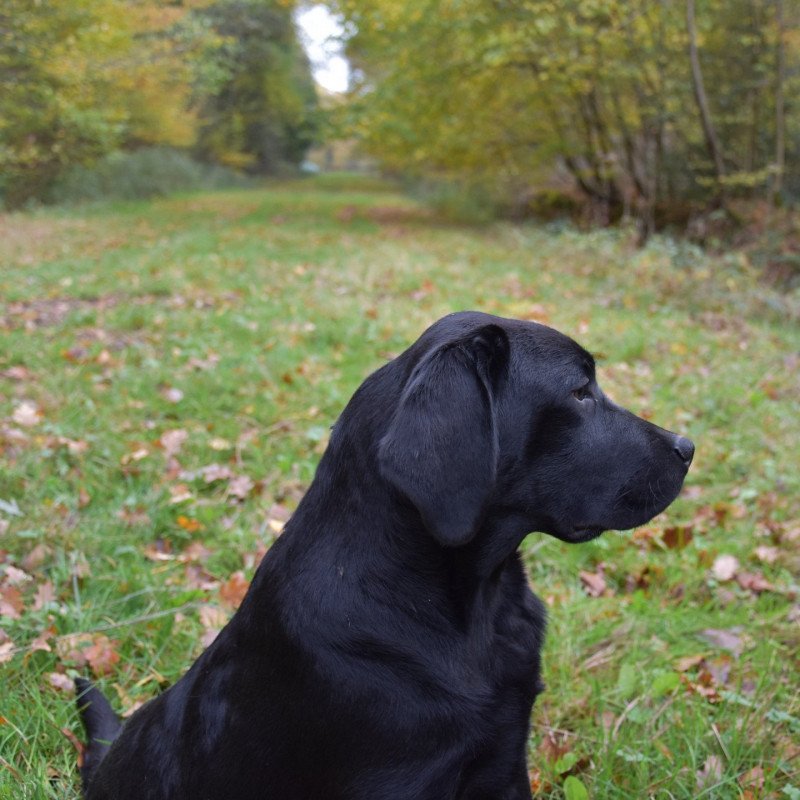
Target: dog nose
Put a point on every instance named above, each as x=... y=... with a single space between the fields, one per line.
x=685 y=449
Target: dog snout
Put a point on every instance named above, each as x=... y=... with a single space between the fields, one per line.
x=684 y=448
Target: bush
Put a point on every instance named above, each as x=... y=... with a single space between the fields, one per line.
x=456 y=201
x=150 y=172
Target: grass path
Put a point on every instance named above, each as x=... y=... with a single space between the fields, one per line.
x=168 y=375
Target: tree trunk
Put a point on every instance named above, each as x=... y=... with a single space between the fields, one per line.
x=712 y=144
x=780 y=117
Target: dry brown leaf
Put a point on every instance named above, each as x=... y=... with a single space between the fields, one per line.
x=241 y=486
x=138 y=453
x=754 y=582
x=172 y=394
x=172 y=441
x=232 y=591
x=84 y=498
x=593 y=582
x=208 y=637
x=752 y=779
x=730 y=640
x=45 y=593
x=15 y=576
x=710 y=774
x=133 y=516
x=196 y=551
x=27 y=414
x=80 y=566
x=102 y=655
x=160 y=550
x=552 y=746
x=179 y=493
x=677 y=537
x=725 y=568
x=61 y=682
x=132 y=708
x=6 y=651
x=212 y=616
x=216 y=472
x=189 y=524
x=688 y=662
x=767 y=555
x=11 y=602
x=16 y=373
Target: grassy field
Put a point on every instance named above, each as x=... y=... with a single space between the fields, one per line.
x=168 y=375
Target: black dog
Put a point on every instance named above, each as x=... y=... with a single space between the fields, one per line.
x=388 y=648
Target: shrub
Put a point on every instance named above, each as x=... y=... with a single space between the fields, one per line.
x=150 y=172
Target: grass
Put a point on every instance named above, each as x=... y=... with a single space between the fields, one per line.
x=243 y=321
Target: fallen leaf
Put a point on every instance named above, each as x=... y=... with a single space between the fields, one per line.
x=133 y=516
x=195 y=551
x=212 y=616
x=45 y=593
x=84 y=498
x=172 y=441
x=730 y=640
x=132 y=708
x=767 y=555
x=137 y=454
x=688 y=662
x=215 y=472
x=80 y=566
x=10 y=507
x=102 y=655
x=208 y=637
x=11 y=602
x=240 y=486
x=554 y=747
x=172 y=395
x=6 y=652
x=725 y=568
x=27 y=414
x=61 y=682
x=593 y=582
x=15 y=576
x=17 y=373
x=41 y=643
x=232 y=591
x=752 y=779
x=160 y=550
x=179 y=493
x=189 y=524
x=677 y=537
x=754 y=582
x=710 y=774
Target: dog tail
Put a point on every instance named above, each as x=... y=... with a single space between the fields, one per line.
x=101 y=724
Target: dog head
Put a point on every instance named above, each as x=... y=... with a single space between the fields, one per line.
x=502 y=423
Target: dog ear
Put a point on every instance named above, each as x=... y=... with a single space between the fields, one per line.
x=441 y=447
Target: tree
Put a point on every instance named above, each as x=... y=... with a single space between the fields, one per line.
x=508 y=92
x=262 y=115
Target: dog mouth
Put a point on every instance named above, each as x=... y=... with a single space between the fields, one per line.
x=584 y=533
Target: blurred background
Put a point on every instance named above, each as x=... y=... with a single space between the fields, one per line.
x=670 y=115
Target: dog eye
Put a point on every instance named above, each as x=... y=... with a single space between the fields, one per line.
x=584 y=393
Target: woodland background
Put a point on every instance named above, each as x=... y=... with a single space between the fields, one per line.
x=203 y=254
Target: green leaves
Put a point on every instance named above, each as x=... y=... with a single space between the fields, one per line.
x=574 y=789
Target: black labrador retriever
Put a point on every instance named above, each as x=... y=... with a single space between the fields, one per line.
x=388 y=647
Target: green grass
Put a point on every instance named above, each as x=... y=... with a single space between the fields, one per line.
x=260 y=311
